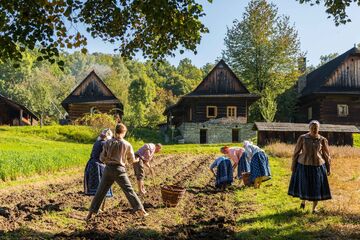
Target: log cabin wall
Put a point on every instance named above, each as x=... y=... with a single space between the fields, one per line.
x=78 y=110
x=347 y=75
x=303 y=110
x=329 y=110
x=4 y=116
x=199 y=108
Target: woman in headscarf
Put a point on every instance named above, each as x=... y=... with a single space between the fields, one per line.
x=94 y=168
x=224 y=172
x=310 y=168
x=259 y=164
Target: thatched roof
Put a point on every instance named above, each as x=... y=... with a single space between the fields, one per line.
x=302 y=127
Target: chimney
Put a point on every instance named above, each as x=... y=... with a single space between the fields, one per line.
x=302 y=65
x=302 y=79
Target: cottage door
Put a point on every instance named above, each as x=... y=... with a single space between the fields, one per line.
x=235 y=135
x=203 y=136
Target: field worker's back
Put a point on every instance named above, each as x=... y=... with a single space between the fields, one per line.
x=117 y=152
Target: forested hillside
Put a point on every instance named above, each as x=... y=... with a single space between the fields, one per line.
x=145 y=88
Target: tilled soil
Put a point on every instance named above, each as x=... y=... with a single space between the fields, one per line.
x=56 y=210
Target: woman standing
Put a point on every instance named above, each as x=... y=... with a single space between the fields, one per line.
x=310 y=168
x=94 y=168
x=116 y=154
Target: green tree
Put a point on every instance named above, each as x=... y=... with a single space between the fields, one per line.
x=335 y=8
x=327 y=58
x=207 y=68
x=190 y=72
x=263 y=49
x=157 y=28
x=141 y=95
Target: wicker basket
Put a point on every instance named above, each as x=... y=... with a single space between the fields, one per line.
x=246 y=178
x=171 y=195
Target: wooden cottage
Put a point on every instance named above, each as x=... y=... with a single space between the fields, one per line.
x=221 y=95
x=15 y=114
x=331 y=93
x=267 y=133
x=91 y=96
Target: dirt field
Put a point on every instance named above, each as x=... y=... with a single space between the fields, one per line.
x=55 y=210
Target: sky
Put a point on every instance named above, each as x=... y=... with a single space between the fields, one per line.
x=318 y=33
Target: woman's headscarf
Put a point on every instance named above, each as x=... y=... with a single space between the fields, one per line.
x=314 y=122
x=106 y=134
x=250 y=150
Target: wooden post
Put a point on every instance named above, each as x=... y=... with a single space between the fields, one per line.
x=21 y=117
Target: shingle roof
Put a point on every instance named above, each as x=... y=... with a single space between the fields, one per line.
x=302 y=127
x=317 y=78
x=221 y=63
x=83 y=99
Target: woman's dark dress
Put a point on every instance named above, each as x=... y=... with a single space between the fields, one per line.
x=94 y=170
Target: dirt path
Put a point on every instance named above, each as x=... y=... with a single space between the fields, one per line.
x=55 y=210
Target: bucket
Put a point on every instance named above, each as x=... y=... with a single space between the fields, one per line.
x=171 y=195
x=246 y=178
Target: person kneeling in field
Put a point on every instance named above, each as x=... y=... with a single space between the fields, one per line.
x=144 y=156
x=224 y=172
x=259 y=164
x=94 y=169
x=115 y=154
x=236 y=154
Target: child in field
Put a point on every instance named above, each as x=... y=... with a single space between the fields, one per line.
x=116 y=152
x=259 y=164
x=224 y=172
x=94 y=169
x=144 y=156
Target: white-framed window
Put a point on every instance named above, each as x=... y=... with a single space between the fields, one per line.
x=342 y=110
x=211 y=111
x=231 y=111
x=310 y=113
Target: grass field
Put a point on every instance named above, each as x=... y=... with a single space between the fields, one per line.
x=30 y=151
x=52 y=206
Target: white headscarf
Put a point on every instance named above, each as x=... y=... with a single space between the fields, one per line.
x=314 y=122
x=250 y=150
x=106 y=133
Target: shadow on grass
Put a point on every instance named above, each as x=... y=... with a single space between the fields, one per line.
x=282 y=230
x=215 y=228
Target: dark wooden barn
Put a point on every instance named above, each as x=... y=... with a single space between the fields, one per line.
x=220 y=95
x=91 y=96
x=15 y=114
x=331 y=93
x=267 y=133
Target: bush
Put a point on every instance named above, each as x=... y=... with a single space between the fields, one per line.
x=97 y=121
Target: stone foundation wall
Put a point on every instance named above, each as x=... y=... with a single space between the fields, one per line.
x=216 y=132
